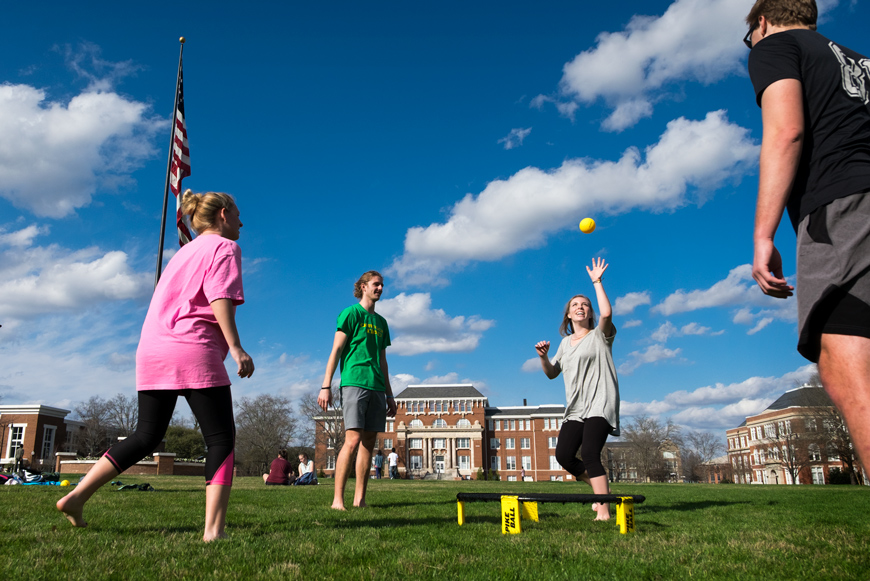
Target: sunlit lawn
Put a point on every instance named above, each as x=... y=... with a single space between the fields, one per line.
x=410 y=532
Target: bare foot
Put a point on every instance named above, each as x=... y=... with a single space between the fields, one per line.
x=72 y=510
x=338 y=505
x=603 y=511
x=210 y=538
x=361 y=505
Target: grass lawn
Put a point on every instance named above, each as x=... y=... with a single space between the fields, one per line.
x=410 y=532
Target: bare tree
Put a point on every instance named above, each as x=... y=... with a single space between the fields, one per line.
x=94 y=414
x=834 y=439
x=264 y=425
x=123 y=413
x=324 y=428
x=647 y=438
x=700 y=448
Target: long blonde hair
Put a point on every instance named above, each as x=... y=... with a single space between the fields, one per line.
x=204 y=209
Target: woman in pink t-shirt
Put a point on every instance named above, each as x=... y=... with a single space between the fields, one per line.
x=188 y=331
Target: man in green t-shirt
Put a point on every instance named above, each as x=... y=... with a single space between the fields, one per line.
x=361 y=340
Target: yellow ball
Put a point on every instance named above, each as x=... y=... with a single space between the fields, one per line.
x=64 y=483
x=587 y=225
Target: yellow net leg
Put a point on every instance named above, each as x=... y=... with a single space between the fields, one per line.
x=510 y=515
x=460 y=508
x=530 y=510
x=625 y=515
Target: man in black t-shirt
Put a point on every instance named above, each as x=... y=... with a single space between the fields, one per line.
x=815 y=160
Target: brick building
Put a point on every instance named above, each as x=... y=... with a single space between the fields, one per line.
x=798 y=439
x=39 y=429
x=453 y=432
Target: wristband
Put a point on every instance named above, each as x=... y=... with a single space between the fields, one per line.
x=596 y=280
x=328 y=387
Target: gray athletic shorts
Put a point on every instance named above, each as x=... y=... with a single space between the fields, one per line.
x=364 y=409
x=833 y=272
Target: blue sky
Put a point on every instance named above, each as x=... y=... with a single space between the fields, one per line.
x=452 y=146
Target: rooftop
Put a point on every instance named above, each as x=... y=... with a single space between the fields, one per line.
x=805 y=396
x=442 y=391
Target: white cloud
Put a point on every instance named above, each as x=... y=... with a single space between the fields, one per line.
x=667 y=330
x=760 y=325
x=632 y=69
x=652 y=354
x=515 y=137
x=720 y=405
x=520 y=212
x=38 y=280
x=626 y=304
x=632 y=323
x=55 y=156
x=417 y=328
x=532 y=365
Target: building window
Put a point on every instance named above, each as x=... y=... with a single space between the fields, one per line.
x=463 y=423
x=811 y=424
x=416 y=424
x=330 y=443
x=513 y=425
x=439 y=423
x=463 y=443
x=818 y=475
x=391 y=426
x=491 y=425
x=555 y=478
x=815 y=453
x=512 y=478
x=16 y=439
x=833 y=455
x=439 y=443
x=551 y=442
x=510 y=443
x=511 y=463
x=554 y=465
x=494 y=444
x=416 y=462
x=330 y=462
x=388 y=443
x=464 y=462
x=495 y=463
x=526 y=443
x=415 y=443
x=528 y=424
x=48 y=442
x=498 y=424
x=546 y=423
x=527 y=462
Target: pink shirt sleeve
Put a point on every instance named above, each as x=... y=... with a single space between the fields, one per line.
x=224 y=278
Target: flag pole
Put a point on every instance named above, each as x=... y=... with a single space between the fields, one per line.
x=168 y=168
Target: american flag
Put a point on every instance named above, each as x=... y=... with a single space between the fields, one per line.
x=180 y=167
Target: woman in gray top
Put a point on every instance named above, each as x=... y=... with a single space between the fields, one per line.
x=585 y=361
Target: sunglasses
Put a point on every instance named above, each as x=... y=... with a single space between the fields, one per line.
x=747 y=40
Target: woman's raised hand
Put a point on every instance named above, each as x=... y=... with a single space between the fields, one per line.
x=597 y=270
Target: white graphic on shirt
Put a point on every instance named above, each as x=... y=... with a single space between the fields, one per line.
x=856 y=75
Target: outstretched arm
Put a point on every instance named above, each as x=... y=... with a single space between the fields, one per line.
x=605 y=311
x=324 y=398
x=550 y=370
x=225 y=312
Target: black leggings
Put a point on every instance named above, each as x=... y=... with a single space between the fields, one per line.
x=588 y=437
x=213 y=409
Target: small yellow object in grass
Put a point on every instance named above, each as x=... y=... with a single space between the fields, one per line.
x=587 y=225
x=64 y=483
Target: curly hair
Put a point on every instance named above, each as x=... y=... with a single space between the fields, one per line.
x=785 y=13
x=363 y=280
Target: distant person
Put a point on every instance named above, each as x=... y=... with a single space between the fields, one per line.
x=19 y=458
x=585 y=360
x=189 y=329
x=393 y=461
x=306 y=471
x=361 y=340
x=815 y=161
x=379 y=464
x=280 y=472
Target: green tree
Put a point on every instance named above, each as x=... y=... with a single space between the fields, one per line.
x=184 y=442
